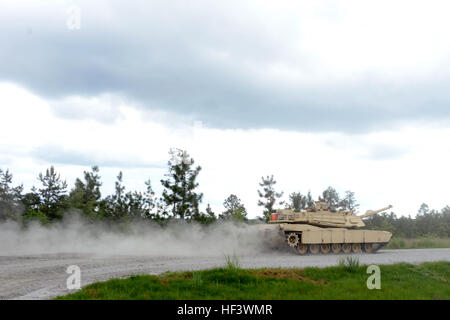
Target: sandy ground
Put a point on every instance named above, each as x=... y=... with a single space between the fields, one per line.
x=44 y=276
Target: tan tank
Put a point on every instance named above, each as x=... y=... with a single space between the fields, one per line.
x=321 y=229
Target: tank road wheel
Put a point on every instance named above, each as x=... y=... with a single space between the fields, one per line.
x=314 y=248
x=356 y=247
x=347 y=248
x=325 y=248
x=292 y=239
x=369 y=248
x=302 y=248
x=336 y=248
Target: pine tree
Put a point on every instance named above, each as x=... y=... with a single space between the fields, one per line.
x=149 y=202
x=269 y=196
x=349 y=202
x=331 y=197
x=141 y=205
x=10 y=197
x=86 y=194
x=210 y=213
x=234 y=209
x=205 y=218
x=297 y=201
x=309 y=200
x=116 y=204
x=31 y=200
x=423 y=210
x=179 y=188
x=52 y=194
x=161 y=212
x=32 y=210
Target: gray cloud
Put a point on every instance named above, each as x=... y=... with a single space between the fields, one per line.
x=104 y=109
x=206 y=62
x=59 y=155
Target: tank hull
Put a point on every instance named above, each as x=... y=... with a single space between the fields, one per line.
x=336 y=235
x=312 y=239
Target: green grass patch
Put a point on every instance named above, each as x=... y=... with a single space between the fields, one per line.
x=418 y=243
x=345 y=281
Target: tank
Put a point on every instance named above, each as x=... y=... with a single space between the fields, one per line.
x=322 y=230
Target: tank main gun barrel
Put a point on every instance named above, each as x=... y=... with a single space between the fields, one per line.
x=372 y=212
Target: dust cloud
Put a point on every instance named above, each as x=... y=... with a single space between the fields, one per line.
x=75 y=234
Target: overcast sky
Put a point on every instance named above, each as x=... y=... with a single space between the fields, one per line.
x=352 y=94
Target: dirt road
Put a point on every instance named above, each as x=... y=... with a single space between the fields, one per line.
x=44 y=276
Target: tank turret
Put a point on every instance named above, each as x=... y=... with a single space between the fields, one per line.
x=323 y=216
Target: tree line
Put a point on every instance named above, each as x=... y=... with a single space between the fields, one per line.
x=427 y=223
x=51 y=199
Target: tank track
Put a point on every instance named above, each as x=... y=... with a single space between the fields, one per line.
x=337 y=248
x=293 y=240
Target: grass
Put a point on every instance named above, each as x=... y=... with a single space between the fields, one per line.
x=418 y=243
x=232 y=262
x=349 y=264
x=345 y=281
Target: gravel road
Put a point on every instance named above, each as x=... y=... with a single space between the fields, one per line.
x=44 y=276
